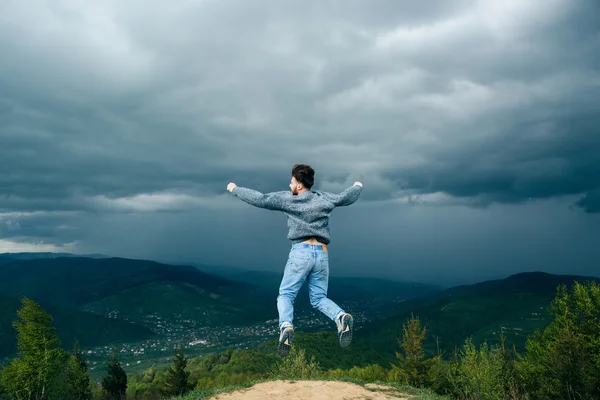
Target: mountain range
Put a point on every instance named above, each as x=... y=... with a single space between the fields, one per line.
x=102 y=300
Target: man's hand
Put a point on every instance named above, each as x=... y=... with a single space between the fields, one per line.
x=357 y=184
x=231 y=186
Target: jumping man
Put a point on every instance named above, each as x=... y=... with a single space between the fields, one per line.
x=308 y=222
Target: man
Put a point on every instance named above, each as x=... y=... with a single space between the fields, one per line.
x=308 y=222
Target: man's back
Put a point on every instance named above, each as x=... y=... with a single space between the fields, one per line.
x=308 y=212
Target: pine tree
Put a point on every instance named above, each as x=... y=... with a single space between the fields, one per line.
x=412 y=365
x=177 y=382
x=36 y=373
x=77 y=378
x=114 y=384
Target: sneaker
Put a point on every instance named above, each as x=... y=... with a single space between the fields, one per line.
x=285 y=341
x=344 y=326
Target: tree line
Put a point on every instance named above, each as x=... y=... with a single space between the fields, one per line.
x=560 y=362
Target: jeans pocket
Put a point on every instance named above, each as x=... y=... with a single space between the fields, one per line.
x=296 y=266
x=323 y=264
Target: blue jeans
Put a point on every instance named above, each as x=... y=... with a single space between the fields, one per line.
x=305 y=261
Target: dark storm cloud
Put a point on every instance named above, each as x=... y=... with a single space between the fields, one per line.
x=136 y=108
x=530 y=161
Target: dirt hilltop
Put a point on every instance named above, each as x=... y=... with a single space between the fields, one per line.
x=312 y=390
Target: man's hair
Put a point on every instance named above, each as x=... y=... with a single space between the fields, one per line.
x=304 y=174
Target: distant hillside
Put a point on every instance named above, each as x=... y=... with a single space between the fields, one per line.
x=77 y=282
x=80 y=292
x=90 y=329
x=516 y=305
x=341 y=288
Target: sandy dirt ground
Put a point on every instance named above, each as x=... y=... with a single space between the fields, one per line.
x=311 y=390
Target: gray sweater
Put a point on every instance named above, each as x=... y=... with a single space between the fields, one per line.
x=307 y=212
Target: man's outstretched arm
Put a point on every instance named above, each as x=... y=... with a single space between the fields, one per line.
x=346 y=197
x=270 y=201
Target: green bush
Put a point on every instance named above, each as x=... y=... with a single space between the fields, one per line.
x=478 y=374
x=296 y=366
x=370 y=373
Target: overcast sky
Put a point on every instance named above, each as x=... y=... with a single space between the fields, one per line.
x=473 y=125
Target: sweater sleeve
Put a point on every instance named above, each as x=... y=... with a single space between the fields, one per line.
x=344 y=198
x=269 y=201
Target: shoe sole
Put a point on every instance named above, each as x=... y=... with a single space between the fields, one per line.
x=285 y=343
x=346 y=333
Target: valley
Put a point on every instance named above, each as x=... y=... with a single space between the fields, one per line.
x=148 y=310
x=196 y=339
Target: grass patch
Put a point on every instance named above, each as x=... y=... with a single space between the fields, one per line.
x=417 y=394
